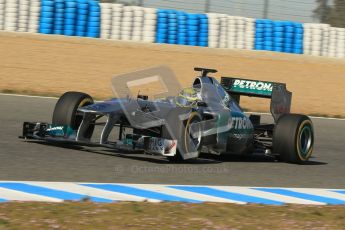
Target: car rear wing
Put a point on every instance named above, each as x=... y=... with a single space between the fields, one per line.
x=277 y=92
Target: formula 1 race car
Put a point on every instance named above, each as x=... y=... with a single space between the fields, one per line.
x=203 y=118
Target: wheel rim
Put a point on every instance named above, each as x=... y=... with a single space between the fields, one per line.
x=305 y=140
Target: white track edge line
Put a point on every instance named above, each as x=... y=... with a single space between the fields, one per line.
x=29 y=96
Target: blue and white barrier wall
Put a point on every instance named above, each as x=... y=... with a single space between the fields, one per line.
x=89 y=18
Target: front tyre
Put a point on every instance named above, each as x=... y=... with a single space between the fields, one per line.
x=293 y=138
x=65 y=112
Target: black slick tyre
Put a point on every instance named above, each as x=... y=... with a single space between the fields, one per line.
x=293 y=138
x=65 y=112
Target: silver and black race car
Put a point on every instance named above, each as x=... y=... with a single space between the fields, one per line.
x=206 y=118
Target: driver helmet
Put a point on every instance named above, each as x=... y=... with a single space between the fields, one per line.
x=188 y=96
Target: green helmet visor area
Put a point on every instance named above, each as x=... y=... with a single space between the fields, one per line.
x=187 y=97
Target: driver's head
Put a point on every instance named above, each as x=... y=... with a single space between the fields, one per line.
x=188 y=97
x=190 y=94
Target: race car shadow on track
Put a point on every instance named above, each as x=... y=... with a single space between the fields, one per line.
x=204 y=158
x=135 y=155
x=154 y=159
x=260 y=158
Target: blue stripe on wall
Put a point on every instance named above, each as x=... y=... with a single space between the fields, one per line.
x=226 y=194
x=279 y=36
x=38 y=190
x=80 y=18
x=305 y=196
x=178 y=27
x=140 y=192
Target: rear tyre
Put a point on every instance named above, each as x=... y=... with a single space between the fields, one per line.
x=65 y=112
x=181 y=130
x=293 y=138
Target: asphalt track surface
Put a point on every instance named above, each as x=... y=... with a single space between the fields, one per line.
x=27 y=161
